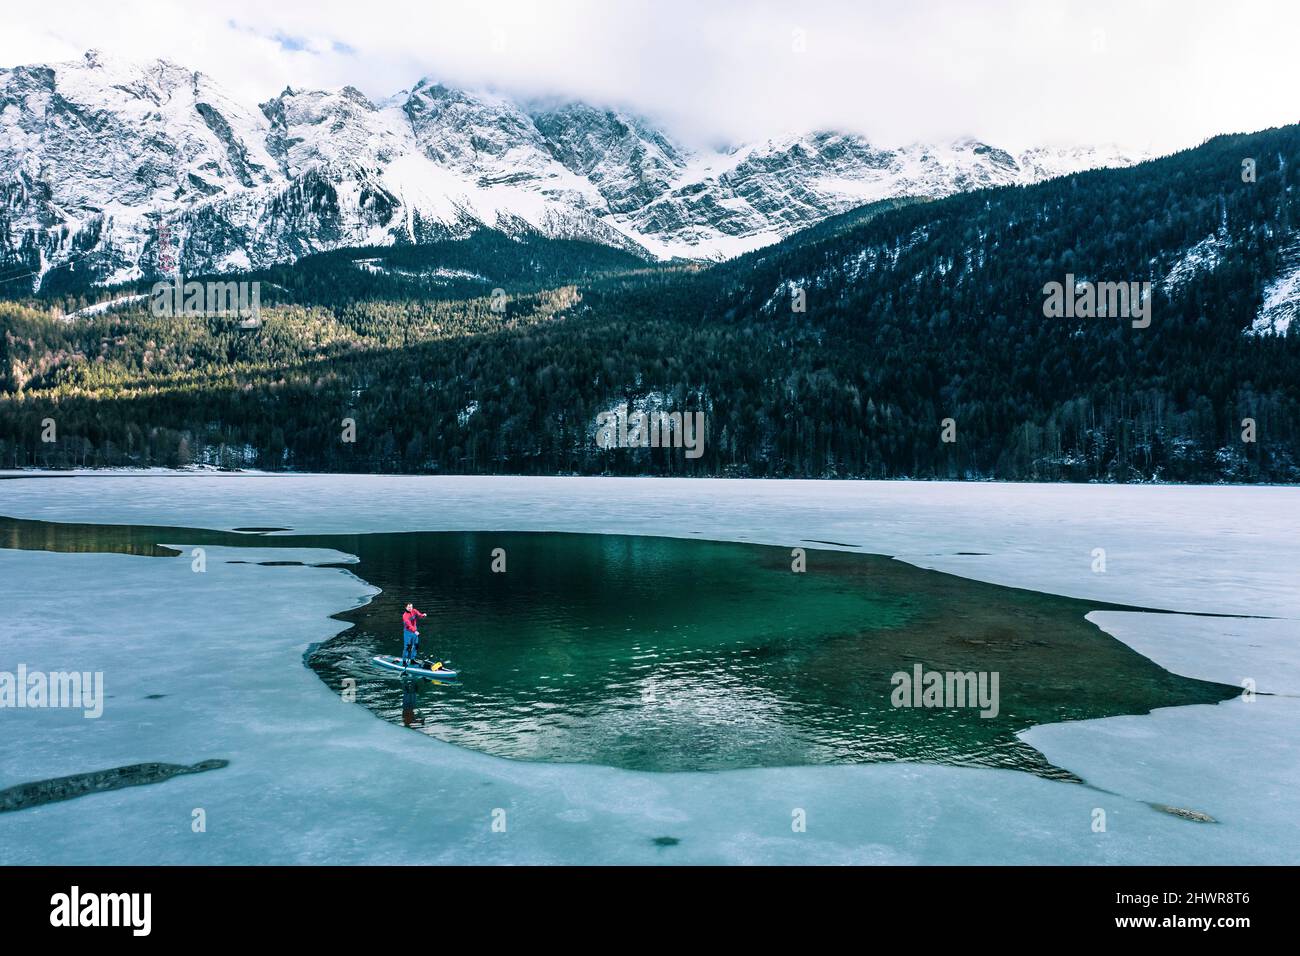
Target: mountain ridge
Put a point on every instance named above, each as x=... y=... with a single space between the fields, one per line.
x=97 y=154
x=848 y=349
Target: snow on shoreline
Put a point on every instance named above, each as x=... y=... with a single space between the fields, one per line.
x=315 y=780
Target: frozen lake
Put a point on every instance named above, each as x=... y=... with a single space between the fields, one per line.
x=210 y=667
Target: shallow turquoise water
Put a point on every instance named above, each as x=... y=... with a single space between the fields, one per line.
x=669 y=654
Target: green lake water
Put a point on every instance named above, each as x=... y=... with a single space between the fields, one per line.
x=668 y=654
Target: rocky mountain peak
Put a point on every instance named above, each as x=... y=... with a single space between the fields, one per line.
x=95 y=153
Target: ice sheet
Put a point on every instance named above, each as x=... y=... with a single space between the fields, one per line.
x=1218 y=549
x=315 y=779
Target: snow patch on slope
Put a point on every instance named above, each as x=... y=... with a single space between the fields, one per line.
x=1281 y=303
x=1202 y=257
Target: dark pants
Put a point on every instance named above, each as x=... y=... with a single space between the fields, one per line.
x=410 y=645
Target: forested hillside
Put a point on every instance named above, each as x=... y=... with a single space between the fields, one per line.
x=911 y=314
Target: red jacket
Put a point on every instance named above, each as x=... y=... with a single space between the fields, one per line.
x=409 y=619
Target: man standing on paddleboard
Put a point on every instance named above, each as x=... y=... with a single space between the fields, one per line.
x=410 y=634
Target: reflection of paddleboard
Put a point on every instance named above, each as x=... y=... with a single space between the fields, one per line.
x=419 y=669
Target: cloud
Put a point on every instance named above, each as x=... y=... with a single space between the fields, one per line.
x=1014 y=72
x=292 y=44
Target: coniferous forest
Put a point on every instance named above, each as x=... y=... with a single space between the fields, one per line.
x=906 y=339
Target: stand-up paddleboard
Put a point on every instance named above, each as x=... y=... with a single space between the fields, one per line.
x=414 y=669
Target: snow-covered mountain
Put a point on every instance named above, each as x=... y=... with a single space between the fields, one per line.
x=118 y=170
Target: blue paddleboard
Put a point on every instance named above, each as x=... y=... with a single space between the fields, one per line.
x=415 y=670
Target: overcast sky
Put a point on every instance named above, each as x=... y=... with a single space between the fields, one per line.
x=1156 y=74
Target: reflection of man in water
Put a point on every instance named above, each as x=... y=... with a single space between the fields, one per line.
x=409 y=698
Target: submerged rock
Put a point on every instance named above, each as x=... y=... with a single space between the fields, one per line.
x=1186 y=814
x=34 y=794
